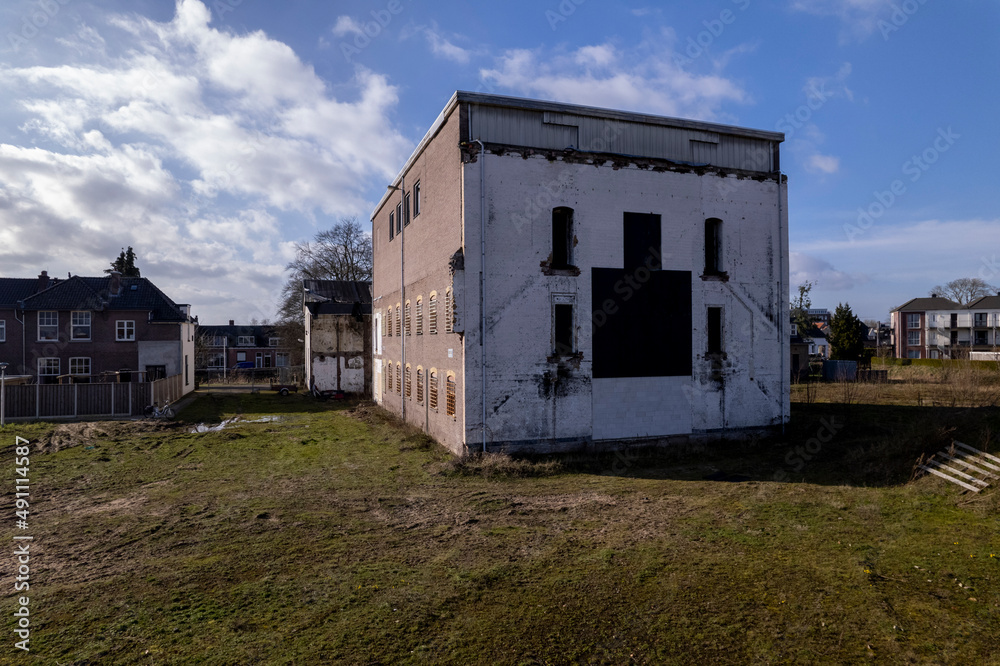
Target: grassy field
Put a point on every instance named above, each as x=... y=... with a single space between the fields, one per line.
x=331 y=535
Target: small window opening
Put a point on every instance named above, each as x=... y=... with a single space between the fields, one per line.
x=392 y=225
x=715 y=330
x=563 y=328
x=713 y=246
x=449 y=395
x=562 y=237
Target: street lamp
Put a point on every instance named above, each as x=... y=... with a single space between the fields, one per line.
x=3 y=390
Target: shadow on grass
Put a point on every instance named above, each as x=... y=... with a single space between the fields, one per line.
x=211 y=406
x=825 y=444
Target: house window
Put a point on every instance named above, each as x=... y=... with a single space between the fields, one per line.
x=48 y=326
x=981 y=338
x=399 y=379
x=3 y=330
x=259 y=361
x=416 y=199
x=399 y=218
x=245 y=341
x=981 y=319
x=241 y=357
x=913 y=353
x=79 y=365
x=562 y=237
x=913 y=320
x=48 y=370
x=125 y=331
x=913 y=338
x=217 y=360
x=80 y=326
x=420 y=315
x=795 y=330
x=274 y=342
x=406 y=209
x=954 y=321
x=406 y=315
x=562 y=328
x=392 y=224
x=449 y=395
x=713 y=246
x=281 y=359
x=432 y=314
x=432 y=389
x=399 y=320
x=420 y=385
x=954 y=337
x=714 y=331
x=406 y=381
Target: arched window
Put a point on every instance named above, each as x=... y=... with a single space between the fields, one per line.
x=449 y=312
x=388 y=378
x=432 y=389
x=398 y=319
x=406 y=318
x=420 y=385
x=406 y=381
x=420 y=315
x=713 y=246
x=399 y=380
x=432 y=314
x=388 y=321
x=562 y=237
x=449 y=394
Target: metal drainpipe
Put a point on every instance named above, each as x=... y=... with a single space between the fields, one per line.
x=482 y=278
x=402 y=282
x=24 y=356
x=782 y=321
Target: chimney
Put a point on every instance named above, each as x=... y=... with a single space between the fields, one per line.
x=231 y=322
x=116 y=283
x=43 y=281
x=933 y=295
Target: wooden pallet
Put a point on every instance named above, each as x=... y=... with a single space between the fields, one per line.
x=979 y=467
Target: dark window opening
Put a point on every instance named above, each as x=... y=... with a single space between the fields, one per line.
x=954 y=337
x=981 y=338
x=715 y=330
x=562 y=237
x=399 y=217
x=406 y=209
x=416 y=199
x=954 y=320
x=563 y=326
x=641 y=241
x=392 y=225
x=713 y=246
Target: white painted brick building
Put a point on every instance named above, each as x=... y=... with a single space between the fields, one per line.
x=632 y=283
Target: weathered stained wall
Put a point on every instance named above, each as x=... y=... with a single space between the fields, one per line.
x=535 y=401
x=339 y=346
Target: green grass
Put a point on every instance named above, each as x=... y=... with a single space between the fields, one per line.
x=329 y=537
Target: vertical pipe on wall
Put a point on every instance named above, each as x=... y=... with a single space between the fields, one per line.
x=482 y=280
x=782 y=316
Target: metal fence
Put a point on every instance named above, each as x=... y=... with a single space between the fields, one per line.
x=42 y=401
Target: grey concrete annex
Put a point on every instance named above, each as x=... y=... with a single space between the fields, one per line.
x=557 y=277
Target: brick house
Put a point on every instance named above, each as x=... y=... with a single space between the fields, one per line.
x=224 y=347
x=557 y=277
x=94 y=329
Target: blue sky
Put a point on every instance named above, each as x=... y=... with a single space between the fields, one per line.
x=212 y=135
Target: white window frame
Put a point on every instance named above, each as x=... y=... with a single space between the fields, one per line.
x=912 y=321
x=241 y=357
x=75 y=318
x=122 y=328
x=274 y=342
x=44 y=361
x=281 y=359
x=3 y=330
x=245 y=341
x=909 y=338
x=51 y=318
x=217 y=360
x=76 y=361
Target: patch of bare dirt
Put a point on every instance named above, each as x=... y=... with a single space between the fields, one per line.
x=68 y=435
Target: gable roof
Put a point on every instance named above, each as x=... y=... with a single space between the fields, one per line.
x=92 y=293
x=337 y=296
x=985 y=303
x=929 y=303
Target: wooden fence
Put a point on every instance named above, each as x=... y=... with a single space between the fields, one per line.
x=42 y=401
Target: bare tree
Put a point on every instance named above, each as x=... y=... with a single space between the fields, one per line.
x=965 y=290
x=343 y=252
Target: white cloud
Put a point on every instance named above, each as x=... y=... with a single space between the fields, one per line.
x=440 y=46
x=859 y=17
x=347 y=26
x=805 y=267
x=827 y=164
x=647 y=78
x=198 y=147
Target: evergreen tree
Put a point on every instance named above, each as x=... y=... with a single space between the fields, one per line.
x=125 y=264
x=846 y=343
